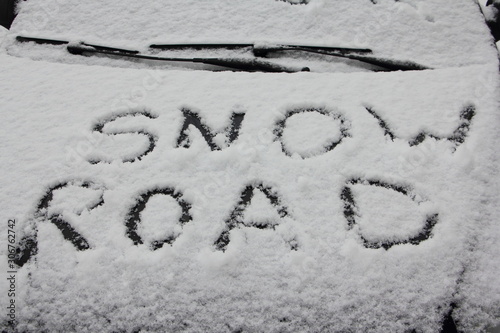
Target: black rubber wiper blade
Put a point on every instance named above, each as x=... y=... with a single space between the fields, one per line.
x=384 y=63
x=256 y=48
x=389 y=64
x=240 y=64
x=199 y=46
x=25 y=39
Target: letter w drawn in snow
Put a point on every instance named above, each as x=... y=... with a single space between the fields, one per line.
x=456 y=138
x=190 y=118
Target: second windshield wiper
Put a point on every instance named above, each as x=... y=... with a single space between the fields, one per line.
x=359 y=54
x=385 y=63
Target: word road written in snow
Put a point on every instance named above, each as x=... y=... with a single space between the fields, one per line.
x=28 y=246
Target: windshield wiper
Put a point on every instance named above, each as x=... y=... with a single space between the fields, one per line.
x=240 y=64
x=386 y=64
x=358 y=54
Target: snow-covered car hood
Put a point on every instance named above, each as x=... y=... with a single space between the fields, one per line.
x=193 y=201
x=318 y=267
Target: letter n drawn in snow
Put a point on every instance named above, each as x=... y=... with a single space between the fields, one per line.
x=265 y=215
x=193 y=119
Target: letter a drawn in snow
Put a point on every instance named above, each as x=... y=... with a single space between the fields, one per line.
x=259 y=207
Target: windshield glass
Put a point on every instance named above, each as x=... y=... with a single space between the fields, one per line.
x=429 y=33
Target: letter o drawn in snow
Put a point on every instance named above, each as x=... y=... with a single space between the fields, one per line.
x=134 y=216
x=310 y=132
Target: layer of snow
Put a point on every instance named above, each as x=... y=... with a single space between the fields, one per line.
x=311 y=272
x=3 y=33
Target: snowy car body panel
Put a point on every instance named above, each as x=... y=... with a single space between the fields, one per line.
x=145 y=199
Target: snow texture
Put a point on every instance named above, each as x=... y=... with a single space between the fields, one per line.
x=192 y=201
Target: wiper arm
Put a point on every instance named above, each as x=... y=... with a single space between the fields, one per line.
x=240 y=64
x=387 y=64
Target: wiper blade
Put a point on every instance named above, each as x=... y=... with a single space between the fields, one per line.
x=199 y=46
x=240 y=64
x=386 y=64
x=261 y=50
x=63 y=42
x=41 y=40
